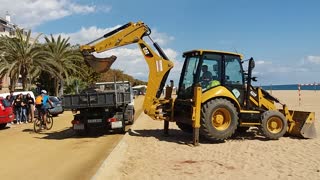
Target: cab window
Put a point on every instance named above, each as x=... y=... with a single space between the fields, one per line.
x=233 y=70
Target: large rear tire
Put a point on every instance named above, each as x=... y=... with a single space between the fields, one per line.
x=131 y=119
x=219 y=119
x=273 y=124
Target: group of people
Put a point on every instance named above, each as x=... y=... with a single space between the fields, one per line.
x=24 y=106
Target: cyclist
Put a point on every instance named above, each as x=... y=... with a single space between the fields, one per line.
x=41 y=104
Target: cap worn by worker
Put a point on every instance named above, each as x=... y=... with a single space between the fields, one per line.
x=43 y=92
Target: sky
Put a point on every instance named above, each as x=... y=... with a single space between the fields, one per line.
x=282 y=36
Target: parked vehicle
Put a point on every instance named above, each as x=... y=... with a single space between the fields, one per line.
x=24 y=93
x=108 y=106
x=6 y=113
x=57 y=106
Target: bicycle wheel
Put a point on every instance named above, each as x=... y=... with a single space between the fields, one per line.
x=49 y=122
x=37 y=125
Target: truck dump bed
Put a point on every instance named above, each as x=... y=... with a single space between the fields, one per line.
x=96 y=99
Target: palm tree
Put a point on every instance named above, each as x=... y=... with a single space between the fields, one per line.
x=23 y=56
x=69 y=57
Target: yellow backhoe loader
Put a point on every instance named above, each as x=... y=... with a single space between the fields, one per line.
x=214 y=97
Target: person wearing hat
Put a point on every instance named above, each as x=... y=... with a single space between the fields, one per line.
x=41 y=103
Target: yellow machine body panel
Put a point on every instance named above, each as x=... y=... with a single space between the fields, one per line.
x=219 y=91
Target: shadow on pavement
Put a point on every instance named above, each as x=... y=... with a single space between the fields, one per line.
x=70 y=133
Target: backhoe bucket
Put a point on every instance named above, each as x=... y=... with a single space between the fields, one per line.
x=302 y=124
x=100 y=65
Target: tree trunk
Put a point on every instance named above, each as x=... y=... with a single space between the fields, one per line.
x=56 y=86
x=24 y=82
x=24 y=78
x=13 y=82
x=61 y=87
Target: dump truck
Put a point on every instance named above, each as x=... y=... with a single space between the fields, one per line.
x=107 y=105
x=214 y=104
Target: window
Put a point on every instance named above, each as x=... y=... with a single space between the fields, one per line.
x=191 y=65
x=233 y=73
x=210 y=70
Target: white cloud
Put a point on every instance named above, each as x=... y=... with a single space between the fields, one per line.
x=30 y=13
x=86 y=35
x=261 y=62
x=129 y=58
x=161 y=38
x=313 y=59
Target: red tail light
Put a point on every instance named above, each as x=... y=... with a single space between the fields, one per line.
x=113 y=119
x=75 y=122
x=2 y=107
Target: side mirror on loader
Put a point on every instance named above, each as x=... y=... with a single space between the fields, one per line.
x=252 y=63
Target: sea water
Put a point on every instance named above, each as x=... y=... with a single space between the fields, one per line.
x=291 y=87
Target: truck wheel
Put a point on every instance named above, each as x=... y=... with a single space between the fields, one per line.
x=123 y=129
x=131 y=120
x=273 y=124
x=185 y=127
x=2 y=126
x=219 y=119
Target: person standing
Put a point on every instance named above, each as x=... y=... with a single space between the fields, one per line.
x=30 y=109
x=17 y=108
x=24 y=108
x=11 y=98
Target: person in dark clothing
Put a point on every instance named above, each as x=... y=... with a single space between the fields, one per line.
x=24 y=108
x=30 y=107
x=11 y=98
x=17 y=108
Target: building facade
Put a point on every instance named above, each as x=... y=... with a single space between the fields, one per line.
x=7 y=28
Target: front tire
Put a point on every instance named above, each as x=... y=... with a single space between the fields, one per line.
x=49 y=122
x=2 y=126
x=219 y=119
x=273 y=124
x=37 y=125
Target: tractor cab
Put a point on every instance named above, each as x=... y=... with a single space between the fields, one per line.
x=209 y=69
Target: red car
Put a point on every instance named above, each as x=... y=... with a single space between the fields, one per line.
x=6 y=113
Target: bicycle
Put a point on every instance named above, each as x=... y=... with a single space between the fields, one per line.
x=40 y=124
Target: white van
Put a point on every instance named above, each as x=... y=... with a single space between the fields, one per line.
x=4 y=95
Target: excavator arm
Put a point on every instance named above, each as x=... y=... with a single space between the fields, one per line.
x=159 y=64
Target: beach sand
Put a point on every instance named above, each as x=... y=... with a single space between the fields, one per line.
x=145 y=153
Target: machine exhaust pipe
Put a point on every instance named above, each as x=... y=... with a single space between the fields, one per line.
x=99 y=65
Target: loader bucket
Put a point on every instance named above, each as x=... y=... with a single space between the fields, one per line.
x=100 y=65
x=302 y=124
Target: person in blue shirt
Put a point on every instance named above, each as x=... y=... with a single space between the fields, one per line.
x=44 y=107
